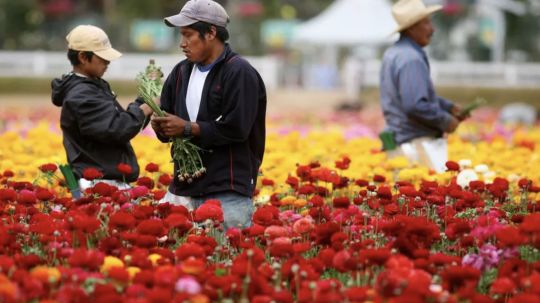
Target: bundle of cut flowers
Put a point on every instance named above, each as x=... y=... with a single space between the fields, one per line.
x=185 y=153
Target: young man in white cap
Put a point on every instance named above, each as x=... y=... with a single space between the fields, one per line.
x=413 y=112
x=96 y=129
x=218 y=99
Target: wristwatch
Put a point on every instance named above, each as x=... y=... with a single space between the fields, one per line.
x=187 y=129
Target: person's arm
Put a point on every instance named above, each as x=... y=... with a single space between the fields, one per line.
x=99 y=117
x=414 y=87
x=240 y=105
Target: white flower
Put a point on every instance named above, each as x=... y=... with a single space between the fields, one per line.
x=489 y=176
x=465 y=177
x=481 y=168
x=465 y=163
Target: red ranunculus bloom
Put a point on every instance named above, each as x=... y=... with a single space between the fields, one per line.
x=209 y=211
x=452 y=166
x=7 y=194
x=27 y=197
x=152 y=167
x=152 y=227
x=341 y=202
x=124 y=169
x=188 y=250
x=48 y=168
x=165 y=179
x=267 y=182
x=146 y=182
x=91 y=173
x=44 y=194
x=121 y=220
x=379 y=178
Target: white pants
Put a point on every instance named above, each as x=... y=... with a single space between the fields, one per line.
x=84 y=184
x=427 y=151
x=177 y=200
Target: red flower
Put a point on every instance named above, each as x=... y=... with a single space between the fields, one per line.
x=165 y=179
x=119 y=274
x=266 y=215
x=152 y=167
x=152 y=227
x=509 y=236
x=121 y=221
x=91 y=173
x=124 y=169
x=292 y=181
x=379 y=178
x=452 y=166
x=188 y=250
x=146 y=182
x=343 y=163
x=48 y=168
x=8 y=173
x=502 y=286
x=27 y=197
x=304 y=172
x=267 y=182
x=89 y=259
x=524 y=183
x=281 y=247
x=341 y=202
x=178 y=221
x=7 y=195
x=361 y=182
x=44 y=194
x=209 y=211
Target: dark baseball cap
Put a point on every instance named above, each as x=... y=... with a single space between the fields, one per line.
x=199 y=10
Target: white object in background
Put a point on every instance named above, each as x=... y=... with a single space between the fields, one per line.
x=430 y=152
x=437 y=152
x=465 y=177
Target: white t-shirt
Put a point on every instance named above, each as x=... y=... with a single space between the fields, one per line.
x=194 y=92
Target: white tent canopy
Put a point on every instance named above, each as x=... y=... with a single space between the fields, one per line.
x=349 y=23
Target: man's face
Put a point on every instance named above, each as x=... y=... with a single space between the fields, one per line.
x=421 y=32
x=195 y=48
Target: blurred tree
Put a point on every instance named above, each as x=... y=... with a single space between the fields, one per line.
x=17 y=21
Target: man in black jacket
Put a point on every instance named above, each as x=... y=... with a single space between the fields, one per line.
x=218 y=99
x=96 y=129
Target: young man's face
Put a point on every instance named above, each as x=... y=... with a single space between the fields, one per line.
x=195 y=48
x=422 y=31
x=93 y=68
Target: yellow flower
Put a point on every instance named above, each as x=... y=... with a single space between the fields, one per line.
x=46 y=274
x=111 y=262
x=132 y=271
x=154 y=258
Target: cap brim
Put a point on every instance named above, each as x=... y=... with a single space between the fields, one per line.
x=179 y=21
x=108 y=54
x=429 y=10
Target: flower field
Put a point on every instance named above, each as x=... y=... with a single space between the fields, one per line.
x=336 y=221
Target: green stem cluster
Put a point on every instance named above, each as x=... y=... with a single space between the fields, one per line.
x=185 y=153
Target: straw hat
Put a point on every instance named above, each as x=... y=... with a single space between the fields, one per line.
x=408 y=12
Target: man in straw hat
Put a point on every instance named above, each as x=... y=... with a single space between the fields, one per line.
x=414 y=114
x=96 y=129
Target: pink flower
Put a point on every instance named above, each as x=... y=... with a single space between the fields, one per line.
x=188 y=285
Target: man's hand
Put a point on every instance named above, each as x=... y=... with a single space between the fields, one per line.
x=170 y=125
x=454 y=122
x=457 y=111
